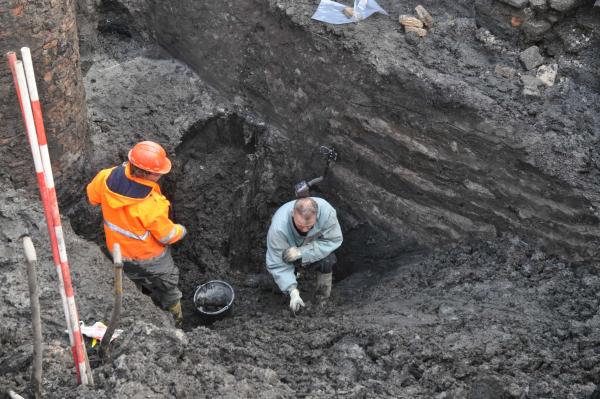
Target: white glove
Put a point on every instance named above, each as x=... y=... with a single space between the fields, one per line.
x=295 y=301
x=291 y=254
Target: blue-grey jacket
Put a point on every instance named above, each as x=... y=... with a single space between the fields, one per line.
x=324 y=238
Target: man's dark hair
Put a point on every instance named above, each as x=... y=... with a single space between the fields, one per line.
x=306 y=207
x=137 y=172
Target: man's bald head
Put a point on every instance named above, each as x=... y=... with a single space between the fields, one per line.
x=306 y=207
x=305 y=214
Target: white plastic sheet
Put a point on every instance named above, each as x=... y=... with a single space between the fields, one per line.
x=332 y=12
x=97 y=330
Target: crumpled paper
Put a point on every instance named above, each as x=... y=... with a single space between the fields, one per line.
x=332 y=12
x=96 y=331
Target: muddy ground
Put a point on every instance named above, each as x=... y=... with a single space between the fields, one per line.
x=494 y=317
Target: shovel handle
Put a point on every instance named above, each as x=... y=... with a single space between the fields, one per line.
x=36 y=371
x=116 y=313
x=116 y=253
x=29 y=249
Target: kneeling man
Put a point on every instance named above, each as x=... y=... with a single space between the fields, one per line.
x=303 y=233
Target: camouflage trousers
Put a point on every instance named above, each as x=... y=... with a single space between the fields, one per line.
x=157 y=277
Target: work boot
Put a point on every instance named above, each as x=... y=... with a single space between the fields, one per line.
x=175 y=310
x=323 y=290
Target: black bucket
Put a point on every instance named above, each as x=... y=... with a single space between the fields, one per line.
x=214 y=300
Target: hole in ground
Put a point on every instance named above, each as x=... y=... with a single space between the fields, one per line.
x=224 y=189
x=215 y=193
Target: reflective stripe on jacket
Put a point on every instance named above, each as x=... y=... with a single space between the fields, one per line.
x=136 y=214
x=324 y=238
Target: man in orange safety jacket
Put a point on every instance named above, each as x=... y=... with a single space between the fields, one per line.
x=136 y=216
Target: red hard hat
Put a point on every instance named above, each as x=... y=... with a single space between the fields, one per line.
x=150 y=156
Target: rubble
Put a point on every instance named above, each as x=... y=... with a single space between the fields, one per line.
x=436 y=139
x=547 y=74
x=531 y=85
x=531 y=57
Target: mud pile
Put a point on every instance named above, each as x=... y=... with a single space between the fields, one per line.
x=491 y=319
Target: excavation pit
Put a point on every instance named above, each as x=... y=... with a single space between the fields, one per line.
x=469 y=209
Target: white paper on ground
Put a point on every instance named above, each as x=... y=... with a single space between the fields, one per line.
x=332 y=12
x=97 y=331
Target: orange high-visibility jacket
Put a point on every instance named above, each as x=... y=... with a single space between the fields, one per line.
x=136 y=214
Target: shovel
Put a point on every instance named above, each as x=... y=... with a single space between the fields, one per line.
x=116 y=313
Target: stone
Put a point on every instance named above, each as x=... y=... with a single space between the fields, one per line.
x=408 y=20
x=531 y=57
x=535 y=29
x=547 y=74
x=574 y=38
x=563 y=5
x=516 y=3
x=486 y=37
x=552 y=16
x=505 y=71
x=531 y=86
x=419 y=31
x=539 y=5
x=412 y=38
x=424 y=16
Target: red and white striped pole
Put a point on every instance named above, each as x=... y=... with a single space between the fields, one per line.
x=55 y=214
x=48 y=194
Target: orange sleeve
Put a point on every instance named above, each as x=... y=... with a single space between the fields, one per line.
x=160 y=226
x=94 y=189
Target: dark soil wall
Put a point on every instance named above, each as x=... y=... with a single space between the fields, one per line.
x=47 y=27
x=434 y=146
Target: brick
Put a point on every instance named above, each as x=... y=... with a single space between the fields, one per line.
x=424 y=16
x=18 y=10
x=51 y=44
x=419 y=31
x=408 y=20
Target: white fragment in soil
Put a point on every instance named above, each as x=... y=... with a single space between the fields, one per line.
x=454 y=146
x=486 y=37
x=478 y=188
x=547 y=74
